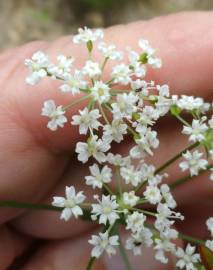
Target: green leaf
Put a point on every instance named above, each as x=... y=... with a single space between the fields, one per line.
x=206 y=257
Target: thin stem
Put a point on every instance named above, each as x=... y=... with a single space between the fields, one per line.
x=183 y=121
x=108 y=189
x=188 y=178
x=90 y=263
x=104 y=115
x=191 y=239
x=104 y=63
x=170 y=161
x=75 y=102
x=124 y=255
x=118 y=177
x=31 y=206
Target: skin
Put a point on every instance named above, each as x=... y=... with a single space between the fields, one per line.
x=36 y=164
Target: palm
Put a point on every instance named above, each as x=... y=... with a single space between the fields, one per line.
x=36 y=164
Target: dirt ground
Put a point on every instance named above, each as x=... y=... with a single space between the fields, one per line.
x=27 y=20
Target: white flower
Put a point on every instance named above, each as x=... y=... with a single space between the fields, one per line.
x=115 y=131
x=129 y=198
x=190 y=103
x=109 y=51
x=56 y=114
x=144 y=236
x=196 y=131
x=62 y=68
x=106 y=210
x=150 y=53
x=135 y=65
x=70 y=203
x=121 y=74
x=85 y=34
x=135 y=221
x=94 y=147
x=193 y=162
x=163 y=90
x=187 y=258
x=209 y=224
x=165 y=191
x=209 y=244
x=152 y=194
x=87 y=120
x=98 y=177
x=73 y=83
x=92 y=69
x=117 y=160
x=124 y=106
x=38 y=65
x=131 y=175
x=102 y=243
x=163 y=245
x=100 y=92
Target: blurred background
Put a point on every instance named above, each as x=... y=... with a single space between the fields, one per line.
x=26 y=20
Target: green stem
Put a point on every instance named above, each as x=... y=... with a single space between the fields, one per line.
x=75 y=102
x=31 y=206
x=108 y=189
x=90 y=263
x=183 y=121
x=124 y=256
x=191 y=239
x=104 y=115
x=170 y=161
x=188 y=178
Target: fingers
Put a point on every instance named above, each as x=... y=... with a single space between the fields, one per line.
x=11 y=245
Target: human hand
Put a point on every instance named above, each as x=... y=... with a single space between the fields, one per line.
x=36 y=163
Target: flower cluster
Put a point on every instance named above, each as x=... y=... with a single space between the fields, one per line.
x=121 y=104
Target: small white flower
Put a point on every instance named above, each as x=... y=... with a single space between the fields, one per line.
x=129 y=198
x=106 y=210
x=109 y=51
x=135 y=65
x=124 y=106
x=100 y=92
x=87 y=120
x=190 y=103
x=187 y=258
x=121 y=74
x=165 y=191
x=70 y=203
x=150 y=53
x=152 y=194
x=92 y=69
x=98 y=177
x=115 y=131
x=73 y=83
x=102 y=243
x=94 y=147
x=193 y=162
x=62 y=68
x=118 y=161
x=56 y=114
x=163 y=245
x=209 y=244
x=163 y=90
x=85 y=34
x=209 y=224
x=196 y=131
x=135 y=221
x=38 y=65
x=131 y=175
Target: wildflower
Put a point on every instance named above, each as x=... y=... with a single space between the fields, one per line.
x=106 y=210
x=87 y=120
x=187 y=258
x=193 y=162
x=98 y=177
x=94 y=147
x=56 y=114
x=100 y=92
x=121 y=74
x=109 y=51
x=102 y=243
x=196 y=131
x=152 y=194
x=115 y=131
x=209 y=224
x=92 y=69
x=135 y=221
x=38 y=65
x=70 y=203
x=62 y=68
x=129 y=198
x=85 y=35
x=130 y=175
